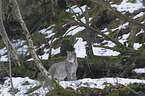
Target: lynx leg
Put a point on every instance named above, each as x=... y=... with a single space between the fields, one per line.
x=74 y=76
x=71 y=76
x=68 y=75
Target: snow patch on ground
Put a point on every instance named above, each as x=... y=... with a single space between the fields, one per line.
x=104 y=52
x=76 y=9
x=19 y=83
x=46 y=54
x=126 y=6
x=48 y=31
x=73 y=30
x=136 y=46
x=121 y=26
x=80 y=48
x=139 y=70
x=139 y=15
x=124 y=38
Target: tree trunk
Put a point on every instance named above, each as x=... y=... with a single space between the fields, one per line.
x=10 y=70
x=6 y=40
x=54 y=8
x=50 y=48
x=88 y=32
x=29 y=39
x=132 y=36
x=51 y=82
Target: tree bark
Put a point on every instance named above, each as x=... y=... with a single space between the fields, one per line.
x=132 y=36
x=88 y=32
x=54 y=8
x=6 y=40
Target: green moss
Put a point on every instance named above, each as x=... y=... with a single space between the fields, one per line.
x=117 y=1
x=57 y=89
x=62 y=90
x=126 y=91
x=132 y=1
x=26 y=83
x=86 y=91
x=138 y=86
x=86 y=83
x=30 y=73
x=116 y=93
x=39 y=39
x=15 y=90
x=33 y=89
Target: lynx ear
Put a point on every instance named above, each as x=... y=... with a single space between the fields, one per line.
x=68 y=51
x=73 y=51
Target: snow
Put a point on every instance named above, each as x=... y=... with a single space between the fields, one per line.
x=98 y=83
x=136 y=46
x=22 y=50
x=18 y=43
x=121 y=26
x=55 y=51
x=80 y=48
x=2 y=54
x=42 y=46
x=73 y=30
x=127 y=6
x=3 y=51
x=48 y=31
x=4 y=58
x=139 y=15
x=104 y=30
x=77 y=9
x=46 y=54
x=124 y=38
x=141 y=31
x=19 y=83
x=139 y=70
x=104 y=52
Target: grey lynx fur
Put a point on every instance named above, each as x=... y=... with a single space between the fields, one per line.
x=66 y=68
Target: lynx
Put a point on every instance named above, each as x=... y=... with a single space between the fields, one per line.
x=66 y=68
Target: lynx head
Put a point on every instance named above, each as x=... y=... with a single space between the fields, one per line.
x=71 y=56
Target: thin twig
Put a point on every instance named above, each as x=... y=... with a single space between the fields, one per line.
x=38 y=23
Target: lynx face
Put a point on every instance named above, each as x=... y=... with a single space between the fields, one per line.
x=71 y=56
